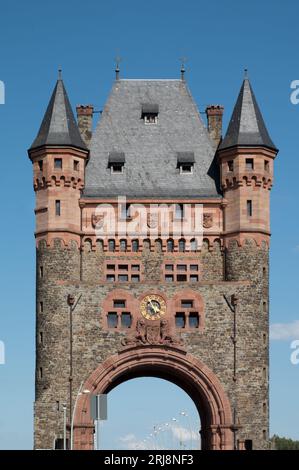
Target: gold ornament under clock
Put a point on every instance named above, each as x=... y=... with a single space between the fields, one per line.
x=153 y=307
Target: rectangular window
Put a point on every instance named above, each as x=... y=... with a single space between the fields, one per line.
x=41 y=337
x=193 y=278
x=119 y=303
x=57 y=207
x=266 y=165
x=76 y=165
x=58 y=163
x=249 y=208
x=110 y=278
x=126 y=320
x=117 y=168
x=180 y=320
x=112 y=320
x=40 y=165
x=40 y=372
x=41 y=271
x=123 y=277
x=182 y=267
x=111 y=267
x=193 y=320
x=265 y=306
x=41 y=307
x=135 y=267
x=123 y=267
x=135 y=278
x=187 y=303
x=230 y=165
x=169 y=267
x=193 y=267
x=181 y=277
x=186 y=168
x=169 y=278
x=249 y=164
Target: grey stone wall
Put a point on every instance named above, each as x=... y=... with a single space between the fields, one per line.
x=241 y=272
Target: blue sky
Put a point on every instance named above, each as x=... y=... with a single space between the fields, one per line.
x=220 y=39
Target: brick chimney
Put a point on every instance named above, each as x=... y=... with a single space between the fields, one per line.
x=214 y=116
x=84 y=116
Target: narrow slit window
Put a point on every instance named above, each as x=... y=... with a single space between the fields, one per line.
x=123 y=245
x=41 y=307
x=76 y=165
x=41 y=337
x=266 y=165
x=249 y=208
x=40 y=165
x=40 y=372
x=41 y=271
x=182 y=245
x=57 y=207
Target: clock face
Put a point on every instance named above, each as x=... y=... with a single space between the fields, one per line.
x=152 y=307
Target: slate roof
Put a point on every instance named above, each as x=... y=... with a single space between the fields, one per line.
x=246 y=126
x=151 y=150
x=59 y=126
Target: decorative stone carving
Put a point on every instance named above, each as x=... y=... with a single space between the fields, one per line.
x=207 y=220
x=151 y=333
x=97 y=220
x=152 y=220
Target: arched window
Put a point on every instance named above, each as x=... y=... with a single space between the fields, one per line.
x=111 y=245
x=123 y=245
x=170 y=245
x=193 y=244
x=135 y=245
x=182 y=245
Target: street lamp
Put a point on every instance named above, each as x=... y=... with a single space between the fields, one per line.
x=80 y=392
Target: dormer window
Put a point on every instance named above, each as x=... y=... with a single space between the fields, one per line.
x=149 y=113
x=185 y=162
x=116 y=162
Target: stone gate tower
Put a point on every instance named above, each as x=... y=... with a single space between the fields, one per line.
x=116 y=304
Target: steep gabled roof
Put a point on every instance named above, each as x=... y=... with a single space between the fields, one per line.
x=246 y=126
x=59 y=126
x=151 y=150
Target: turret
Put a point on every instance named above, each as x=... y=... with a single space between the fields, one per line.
x=59 y=156
x=246 y=157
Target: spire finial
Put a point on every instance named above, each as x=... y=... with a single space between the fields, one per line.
x=245 y=74
x=59 y=73
x=117 y=70
x=183 y=61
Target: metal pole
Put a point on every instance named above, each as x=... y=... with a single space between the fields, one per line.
x=64 y=427
x=98 y=433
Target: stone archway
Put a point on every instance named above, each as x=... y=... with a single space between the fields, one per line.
x=170 y=363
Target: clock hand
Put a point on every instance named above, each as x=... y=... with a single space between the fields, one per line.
x=153 y=307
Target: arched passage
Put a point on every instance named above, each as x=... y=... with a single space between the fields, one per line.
x=170 y=363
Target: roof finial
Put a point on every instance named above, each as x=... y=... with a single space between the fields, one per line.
x=59 y=73
x=117 y=70
x=183 y=70
x=245 y=74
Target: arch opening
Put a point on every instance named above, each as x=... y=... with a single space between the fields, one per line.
x=174 y=365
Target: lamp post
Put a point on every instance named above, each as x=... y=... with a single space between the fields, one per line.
x=80 y=392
